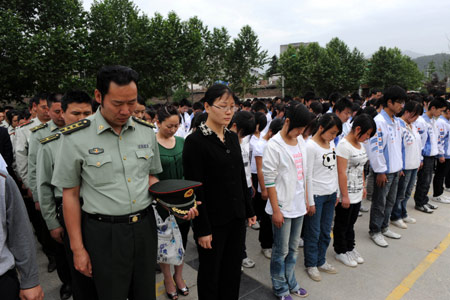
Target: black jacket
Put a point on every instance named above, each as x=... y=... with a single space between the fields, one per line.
x=219 y=166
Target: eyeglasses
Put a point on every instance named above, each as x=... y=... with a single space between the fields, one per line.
x=225 y=108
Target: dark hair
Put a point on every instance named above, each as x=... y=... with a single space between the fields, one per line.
x=374 y=91
x=316 y=107
x=365 y=122
x=245 y=123
x=260 y=120
x=356 y=106
x=118 y=74
x=276 y=125
x=309 y=96
x=327 y=121
x=342 y=104
x=334 y=97
x=259 y=105
x=356 y=96
x=10 y=114
x=368 y=110
x=198 y=105
x=74 y=97
x=167 y=111
x=247 y=103
x=53 y=98
x=141 y=100
x=198 y=119
x=299 y=115
x=25 y=115
x=216 y=91
x=395 y=94
x=438 y=103
x=37 y=99
x=151 y=112
x=185 y=102
x=413 y=107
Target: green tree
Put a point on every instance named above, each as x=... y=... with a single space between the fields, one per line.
x=431 y=69
x=445 y=69
x=244 y=58
x=273 y=66
x=390 y=67
x=217 y=45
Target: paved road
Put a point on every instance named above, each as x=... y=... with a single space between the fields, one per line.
x=418 y=264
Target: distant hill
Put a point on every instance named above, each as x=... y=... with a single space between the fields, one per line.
x=412 y=54
x=423 y=61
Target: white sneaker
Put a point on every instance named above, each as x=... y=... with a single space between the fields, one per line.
x=346 y=260
x=356 y=256
x=441 y=199
x=301 y=243
x=390 y=234
x=399 y=223
x=248 y=263
x=267 y=252
x=447 y=189
x=256 y=226
x=379 y=240
x=314 y=273
x=328 y=268
x=409 y=220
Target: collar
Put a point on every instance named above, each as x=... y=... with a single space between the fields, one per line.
x=208 y=131
x=426 y=118
x=387 y=117
x=103 y=125
x=52 y=126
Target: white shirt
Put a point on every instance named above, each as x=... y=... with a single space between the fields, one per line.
x=356 y=159
x=253 y=141
x=258 y=151
x=245 y=150
x=412 y=146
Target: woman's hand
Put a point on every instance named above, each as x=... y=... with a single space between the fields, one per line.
x=311 y=210
x=205 y=241
x=277 y=219
x=345 y=202
x=264 y=194
x=251 y=221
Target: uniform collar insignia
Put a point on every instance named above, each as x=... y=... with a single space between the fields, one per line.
x=96 y=151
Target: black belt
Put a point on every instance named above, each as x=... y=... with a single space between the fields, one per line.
x=130 y=219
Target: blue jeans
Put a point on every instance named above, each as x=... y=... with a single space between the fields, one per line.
x=383 y=200
x=405 y=186
x=316 y=231
x=284 y=256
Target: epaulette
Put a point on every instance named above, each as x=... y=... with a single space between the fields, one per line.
x=25 y=124
x=75 y=126
x=148 y=124
x=50 y=138
x=36 y=128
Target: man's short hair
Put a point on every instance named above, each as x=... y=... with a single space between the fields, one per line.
x=74 y=97
x=120 y=75
x=342 y=104
x=395 y=94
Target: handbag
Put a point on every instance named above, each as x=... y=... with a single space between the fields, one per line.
x=170 y=244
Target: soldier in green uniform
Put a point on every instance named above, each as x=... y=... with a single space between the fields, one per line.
x=109 y=160
x=76 y=105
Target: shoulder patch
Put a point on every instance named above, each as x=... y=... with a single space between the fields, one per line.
x=145 y=123
x=27 y=123
x=75 y=126
x=50 y=138
x=36 y=128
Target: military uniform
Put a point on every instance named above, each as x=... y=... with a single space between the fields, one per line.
x=50 y=200
x=119 y=232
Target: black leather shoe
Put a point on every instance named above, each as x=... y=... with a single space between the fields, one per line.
x=424 y=209
x=51 y=264
x=431 y=206
x=66 y=291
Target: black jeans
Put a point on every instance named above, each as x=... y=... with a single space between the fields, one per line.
x=265 y=230
x=424 y=177
x=442 y=170
x=9 y=285
x=219 y=271
x=343 y=229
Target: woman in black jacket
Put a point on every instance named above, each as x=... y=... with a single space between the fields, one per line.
x=212 y=155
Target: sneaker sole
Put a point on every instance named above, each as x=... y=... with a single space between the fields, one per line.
x=347 y=265
x=328 y=271
x=391 y=237
x=382 y=246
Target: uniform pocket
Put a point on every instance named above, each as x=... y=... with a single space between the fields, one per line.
x=100 y=169
x=144 y=158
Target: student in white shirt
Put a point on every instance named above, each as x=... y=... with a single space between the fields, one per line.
x=351 y=158
x=412 y=160
x=322 y=172
x=284 y=168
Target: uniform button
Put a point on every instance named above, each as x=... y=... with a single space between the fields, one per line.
x=120 y=137
x=146 y=157
x=134 y=201
x=124 y=158
x=228 y=151
x=100 y=127
x=129 y=179
x=98 y=164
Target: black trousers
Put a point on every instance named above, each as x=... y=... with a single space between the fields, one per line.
x=219 y=272
x=424 y=177
x=442 y=170
x=265 y=231
x=9 y=285
x=343 y=229
x=123 y=257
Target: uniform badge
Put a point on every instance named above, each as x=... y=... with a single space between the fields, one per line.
x=188 y=193
x=143 y=146
x=96 y=151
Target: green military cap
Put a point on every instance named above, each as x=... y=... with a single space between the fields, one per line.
x=176 y=195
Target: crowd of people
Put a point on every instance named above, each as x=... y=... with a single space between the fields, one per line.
x=293 y=168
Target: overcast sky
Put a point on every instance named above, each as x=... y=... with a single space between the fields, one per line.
x=414 y=25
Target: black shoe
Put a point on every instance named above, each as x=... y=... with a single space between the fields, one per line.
x=424 y=209
x=66 y=291
x=51 y=264
x=431 y=206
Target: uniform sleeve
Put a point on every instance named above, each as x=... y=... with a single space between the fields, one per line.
x=20 y=236
x=68 y=162
x=193 y=160
x=155 y=164
x=441 y=137
x=422 y=128
x=377 y=145
x=21 y=151
x=309 y=160
x=32 y=155
x=45 y=188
